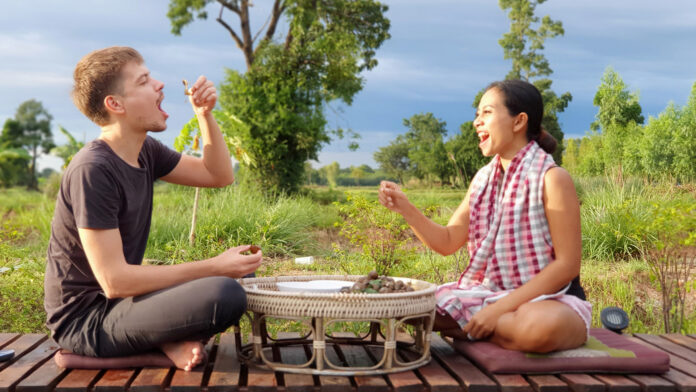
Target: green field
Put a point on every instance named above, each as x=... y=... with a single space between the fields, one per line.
x=618 y=234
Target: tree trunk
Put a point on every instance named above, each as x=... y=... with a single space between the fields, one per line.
x=192 y=233
x=33 y=183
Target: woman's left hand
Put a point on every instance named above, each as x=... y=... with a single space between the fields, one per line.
x=483 y=324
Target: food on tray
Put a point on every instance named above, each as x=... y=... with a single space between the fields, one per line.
x=373 y=283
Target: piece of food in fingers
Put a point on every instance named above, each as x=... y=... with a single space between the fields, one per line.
x=253 y=249
x=187 y=90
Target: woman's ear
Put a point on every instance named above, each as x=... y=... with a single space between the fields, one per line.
x=113 y=105
x=521 y=121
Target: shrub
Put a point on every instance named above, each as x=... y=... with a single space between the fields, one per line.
x=381 y=234
x=672 y=230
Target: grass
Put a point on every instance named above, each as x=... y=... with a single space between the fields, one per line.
x=613 y=273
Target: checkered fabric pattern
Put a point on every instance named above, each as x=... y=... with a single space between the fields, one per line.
x=509 y=239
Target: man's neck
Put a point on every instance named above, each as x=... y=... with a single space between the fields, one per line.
x=126 y=144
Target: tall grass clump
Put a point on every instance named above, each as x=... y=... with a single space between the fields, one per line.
x=24 y=231
x=228 y=217
x=612 y=217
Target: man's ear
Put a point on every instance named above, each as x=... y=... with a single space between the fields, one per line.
x=521 y=121
x=113 y=105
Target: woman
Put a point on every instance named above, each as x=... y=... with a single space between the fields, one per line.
x=520 y=220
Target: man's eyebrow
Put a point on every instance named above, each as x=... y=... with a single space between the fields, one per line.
x=144 y=75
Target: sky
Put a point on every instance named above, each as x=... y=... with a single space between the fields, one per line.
x=441 y=53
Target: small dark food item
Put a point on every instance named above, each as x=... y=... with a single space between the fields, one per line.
x=373 y=283
x=253 y=249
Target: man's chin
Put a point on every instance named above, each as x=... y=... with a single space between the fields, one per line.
x=158 y=128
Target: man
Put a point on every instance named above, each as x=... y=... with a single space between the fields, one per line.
x=100 y=301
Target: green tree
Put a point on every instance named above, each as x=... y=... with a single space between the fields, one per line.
x=617 y=110
x=31 y=130
x=13 y=167
x=290 y=79
x=331 y=172
x=616 y=105
x=358 y=173
x=571 y=155
x=684 y=142
x=427 y=153
x=67 y=151
x=656 y=146
x=590 y=161
x=393 y=158
x=524 y=45
x=464 y=152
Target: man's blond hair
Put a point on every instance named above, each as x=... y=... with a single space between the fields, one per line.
x=98 y=75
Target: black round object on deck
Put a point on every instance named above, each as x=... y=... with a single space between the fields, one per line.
x=614 y=319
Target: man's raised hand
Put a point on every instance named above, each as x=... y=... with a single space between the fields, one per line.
x=203 y=96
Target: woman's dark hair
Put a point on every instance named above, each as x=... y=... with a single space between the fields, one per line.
x=521 y=96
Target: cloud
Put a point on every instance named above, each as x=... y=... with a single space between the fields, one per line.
x=409 y=77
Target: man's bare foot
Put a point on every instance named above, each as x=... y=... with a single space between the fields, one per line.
x=185 y=355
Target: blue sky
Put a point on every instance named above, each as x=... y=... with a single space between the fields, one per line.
x=442 y=52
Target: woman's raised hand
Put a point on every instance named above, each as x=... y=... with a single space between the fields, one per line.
x=392 y=197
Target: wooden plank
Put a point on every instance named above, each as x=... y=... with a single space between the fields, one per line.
x=260 y=378
x=651 y=383
x=114 y=380
x=295 y=355
x=675 y=362
x=150 y=380
x=471 y=377
x=21 y=346
x=682 y=340
x=226 y=368
x=355 y=356
x=78 y=380
x=406 y=381
x=583 y=383
x=24 y=365
x=43 y=379
x=191 y=381
x=616 y=383
x=6 y=338
x=683 y=382
x=335 y=383
x=547 y=383
x=512 y=383
x=666 y=345
x=435 y=377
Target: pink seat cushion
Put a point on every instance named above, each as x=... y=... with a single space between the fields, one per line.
x=68 y=360
x=604 y=352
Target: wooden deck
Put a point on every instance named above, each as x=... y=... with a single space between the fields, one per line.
x=33 y=370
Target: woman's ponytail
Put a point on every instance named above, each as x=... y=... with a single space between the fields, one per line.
x=546 y=141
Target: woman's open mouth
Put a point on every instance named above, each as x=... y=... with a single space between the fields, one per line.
x=483 y=137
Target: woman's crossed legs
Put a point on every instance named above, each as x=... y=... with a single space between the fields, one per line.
x=541 y=327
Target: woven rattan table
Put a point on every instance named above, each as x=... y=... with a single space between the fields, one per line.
x=386 y=313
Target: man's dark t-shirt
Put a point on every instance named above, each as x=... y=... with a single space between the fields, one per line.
x=98 y=191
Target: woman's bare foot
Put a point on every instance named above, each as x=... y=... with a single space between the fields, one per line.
x=185 y=355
